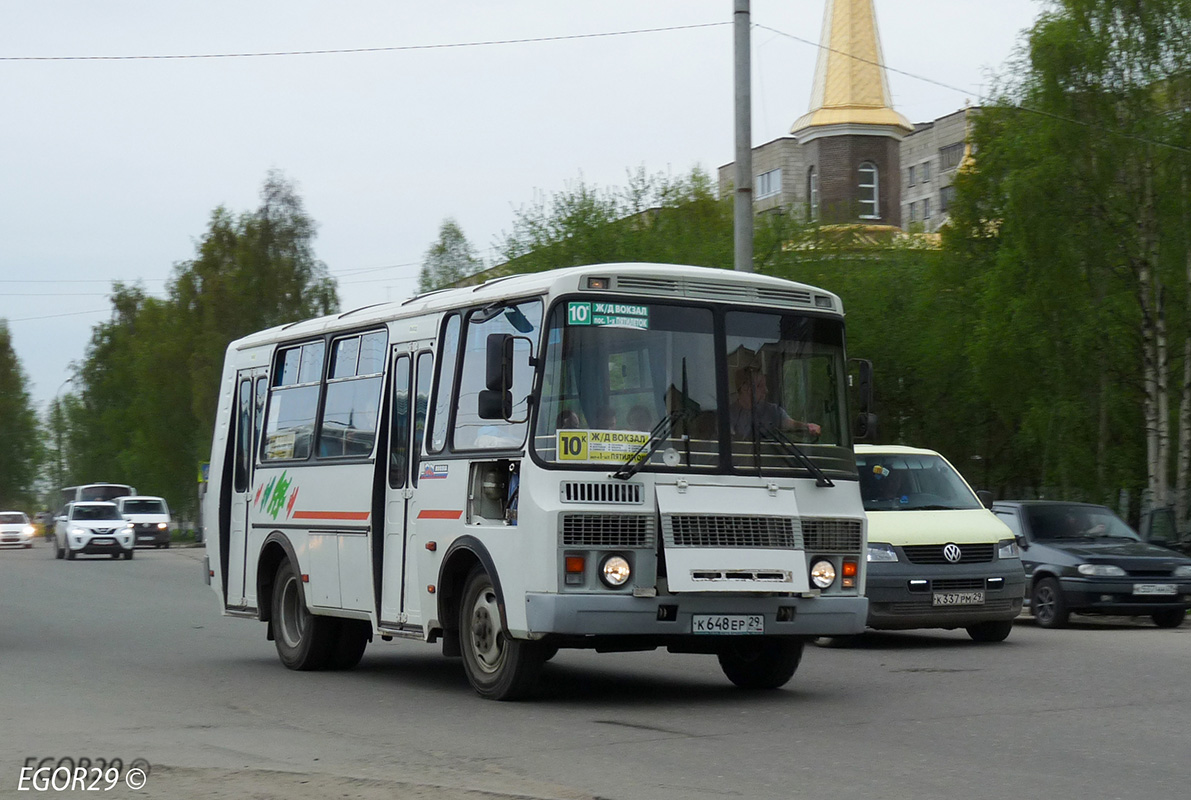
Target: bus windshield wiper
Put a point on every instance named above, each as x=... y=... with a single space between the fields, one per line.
x=657 y=438
x=785 y=443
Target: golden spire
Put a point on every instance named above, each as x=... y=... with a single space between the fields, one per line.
x=851 y=87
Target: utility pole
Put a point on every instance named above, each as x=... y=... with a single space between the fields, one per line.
x=743 y=209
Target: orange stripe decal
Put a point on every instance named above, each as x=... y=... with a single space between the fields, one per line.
x=339 y=515
x=436 y=514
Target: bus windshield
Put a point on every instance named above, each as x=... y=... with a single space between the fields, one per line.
x=649 y=381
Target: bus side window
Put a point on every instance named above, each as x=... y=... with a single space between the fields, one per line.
x=348 y=424
x=471 y=432
x=399 y=426
x=448 y=354
x=421 y=406
x=243 y=436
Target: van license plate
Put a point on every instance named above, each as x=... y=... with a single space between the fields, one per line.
x=727 y=623
x=958 y=599
x=1154 y=588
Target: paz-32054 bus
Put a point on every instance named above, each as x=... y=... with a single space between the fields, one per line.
x=617 y=457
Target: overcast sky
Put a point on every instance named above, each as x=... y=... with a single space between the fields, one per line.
x=109 y=170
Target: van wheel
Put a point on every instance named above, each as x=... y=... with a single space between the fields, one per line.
x=304 y=641
x=1047 y=604
x=991 y=631
x=762 y=663
x=1170 y=618
x=498 y=666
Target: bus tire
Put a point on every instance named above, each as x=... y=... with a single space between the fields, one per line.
x=351 y=638
x=304 y=641
x=498 y=666
x=762 y=663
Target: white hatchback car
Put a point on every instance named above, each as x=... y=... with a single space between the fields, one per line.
x=15 y=529
x=93 y=529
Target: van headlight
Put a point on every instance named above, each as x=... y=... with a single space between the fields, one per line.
x=161 y=526
x=823 y=573
x=1007 y=548
x=879 y=551
x=1101 y=570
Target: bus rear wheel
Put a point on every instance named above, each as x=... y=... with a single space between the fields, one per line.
x=498 y=666
x=761 y=663
x=304 y=641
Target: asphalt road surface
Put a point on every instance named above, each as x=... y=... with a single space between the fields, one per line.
x=104 y=659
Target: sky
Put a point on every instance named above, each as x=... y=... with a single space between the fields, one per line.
x=110 y=169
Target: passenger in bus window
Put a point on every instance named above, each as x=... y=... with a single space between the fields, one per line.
x=568 y=420
x=639 y=418
x=751 y=412
x=606 y=419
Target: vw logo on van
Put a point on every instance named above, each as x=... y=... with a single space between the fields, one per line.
x=952 y=553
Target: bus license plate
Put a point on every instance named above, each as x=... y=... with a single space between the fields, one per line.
x=1154 y=588
x=958 y=599
x=728 y=623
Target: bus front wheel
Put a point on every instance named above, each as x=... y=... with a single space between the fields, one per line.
x=498 y=666
x=761 y=663
x=304 y=641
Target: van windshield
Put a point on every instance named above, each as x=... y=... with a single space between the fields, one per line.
x=144 y=507
x=911 y=482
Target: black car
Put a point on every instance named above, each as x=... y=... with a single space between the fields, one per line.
x=1083 y=558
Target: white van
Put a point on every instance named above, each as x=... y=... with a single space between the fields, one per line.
x=150 y=518
x=937 y=557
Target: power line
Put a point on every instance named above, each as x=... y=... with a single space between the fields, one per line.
x=54 y=316
x=354 y=50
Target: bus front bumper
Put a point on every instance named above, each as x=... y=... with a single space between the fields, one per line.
x=674 y=615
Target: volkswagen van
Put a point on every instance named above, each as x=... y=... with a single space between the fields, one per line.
x=937 y=557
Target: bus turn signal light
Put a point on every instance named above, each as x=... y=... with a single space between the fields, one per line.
x=850 y=569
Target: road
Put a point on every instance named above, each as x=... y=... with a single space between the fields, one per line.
x=131 y=659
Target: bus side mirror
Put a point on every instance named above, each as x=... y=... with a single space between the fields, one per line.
x=866 y=421
x=496 y=401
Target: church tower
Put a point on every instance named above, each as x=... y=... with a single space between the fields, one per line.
x=851 y=136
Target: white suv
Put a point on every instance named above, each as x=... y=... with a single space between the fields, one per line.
x=93 y=529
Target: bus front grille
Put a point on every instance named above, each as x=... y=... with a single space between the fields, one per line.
x=600 y=492
x=731 y=531
x=607 y=530
x=831 y=535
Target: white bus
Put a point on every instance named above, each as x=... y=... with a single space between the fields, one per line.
x=545 y=461
x=94 y=492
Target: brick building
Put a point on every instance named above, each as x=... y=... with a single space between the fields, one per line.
x=852 y=158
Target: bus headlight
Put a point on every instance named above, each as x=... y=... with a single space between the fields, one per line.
x=822 y=573
x=615 y=571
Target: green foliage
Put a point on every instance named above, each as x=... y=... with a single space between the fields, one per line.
x=143 y=406
x=449 y=260
x=655 y=218
x=19 y=432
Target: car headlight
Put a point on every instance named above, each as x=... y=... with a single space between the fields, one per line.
x=1183 y=572
x=1101 y=570
x=615 y=571
x=78 y=531
x=879 y=551
x=1007 y=548
x=30 y=530
x=822 y=573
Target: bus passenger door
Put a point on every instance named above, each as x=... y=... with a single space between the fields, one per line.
x=251 y=389
x=412 y=374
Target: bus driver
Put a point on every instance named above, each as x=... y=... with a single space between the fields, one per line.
x=752 y=413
